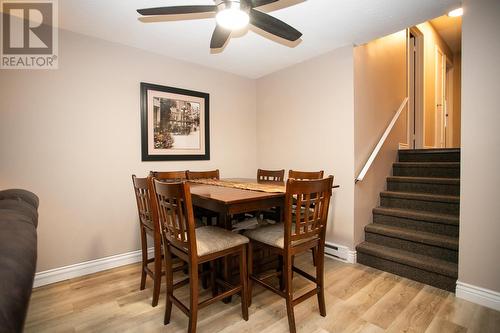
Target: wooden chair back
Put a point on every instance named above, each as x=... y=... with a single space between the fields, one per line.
x=142 y=197
x=168 y=176
x=213 y=174
x=270 y=175
x=306 y=209
x=305 y=175
x=172 y=206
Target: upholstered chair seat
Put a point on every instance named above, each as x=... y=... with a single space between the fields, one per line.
x=272 y=235
x=213 y=239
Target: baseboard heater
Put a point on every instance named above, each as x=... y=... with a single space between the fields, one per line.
x=340 y=252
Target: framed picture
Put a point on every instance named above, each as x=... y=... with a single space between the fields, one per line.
x=174 y=124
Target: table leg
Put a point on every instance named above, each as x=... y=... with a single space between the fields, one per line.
x=224 y=221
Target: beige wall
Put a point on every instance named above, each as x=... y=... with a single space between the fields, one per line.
x=479 y=258
x=72 y=136
x=305 y=121
x=431 y=40
x=457 y=98
x=379 y=88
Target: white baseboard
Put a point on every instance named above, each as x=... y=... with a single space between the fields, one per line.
x=93 y=266
x=87 y=267
x=340 y=252
x=478 y=295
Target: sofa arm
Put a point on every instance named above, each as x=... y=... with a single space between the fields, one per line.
x=18 y=254
x=24 y=195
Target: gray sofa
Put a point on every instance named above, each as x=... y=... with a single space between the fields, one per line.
x=18 y=243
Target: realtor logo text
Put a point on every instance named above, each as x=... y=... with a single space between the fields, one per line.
x=29 y=34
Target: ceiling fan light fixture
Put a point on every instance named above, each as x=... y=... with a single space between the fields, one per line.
x=232 y=17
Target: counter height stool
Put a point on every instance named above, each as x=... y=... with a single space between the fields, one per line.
x=169 y=176
x=265 y=176
x=306 y=175
x=147 y=228
x=198 y=211
x=300 y=232
x=172 y=204
x=270 y=175
x=212 y=174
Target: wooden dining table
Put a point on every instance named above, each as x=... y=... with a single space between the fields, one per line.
x=229 y=201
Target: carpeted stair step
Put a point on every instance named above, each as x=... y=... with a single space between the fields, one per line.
x=447 y=186
x=432 y=245
x=427 y=169
x=442 y=224
x=429 y=155
x=439 y=273
x=444 y=204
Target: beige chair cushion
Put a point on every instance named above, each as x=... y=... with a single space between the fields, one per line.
x=273 y=235
x=213 y=239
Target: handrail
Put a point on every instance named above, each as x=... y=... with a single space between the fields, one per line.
x=380 y=142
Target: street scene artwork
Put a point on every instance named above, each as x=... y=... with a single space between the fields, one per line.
x=176 y=123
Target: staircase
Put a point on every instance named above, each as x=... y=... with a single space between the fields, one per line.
x=415 y=230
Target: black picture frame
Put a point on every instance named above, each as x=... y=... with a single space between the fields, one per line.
x=145 y=126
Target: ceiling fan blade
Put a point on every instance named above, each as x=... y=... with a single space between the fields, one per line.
x=273 y=25
x=219 y=37
x=176 y=10
x=258 y=3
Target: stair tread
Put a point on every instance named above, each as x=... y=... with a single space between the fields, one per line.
x=427 y=164
x=430 y=151
x=411 y=259
x=425 y=180
x=418 y=215
x=414 y=235
x=421 y=196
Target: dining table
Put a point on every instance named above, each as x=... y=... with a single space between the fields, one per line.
x=232 y=196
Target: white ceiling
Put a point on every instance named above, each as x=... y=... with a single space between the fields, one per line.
x=325 y=24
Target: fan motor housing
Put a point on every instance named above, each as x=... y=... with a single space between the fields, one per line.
x=226 y=4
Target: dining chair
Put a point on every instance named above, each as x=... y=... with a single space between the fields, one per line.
x=173 y=205
x=270 y=175
x=306 y=175
x=169 y=175
x=198 y=211
x=212 y=174
x=147 y=227
x=301 y=231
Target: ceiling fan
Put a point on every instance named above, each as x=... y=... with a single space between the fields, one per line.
x=232 y=15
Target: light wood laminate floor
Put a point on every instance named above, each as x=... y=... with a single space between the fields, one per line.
x=358 y=299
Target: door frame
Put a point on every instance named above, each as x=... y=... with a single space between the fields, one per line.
x=415 y=118
x=440 y=117
x=449 y=111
